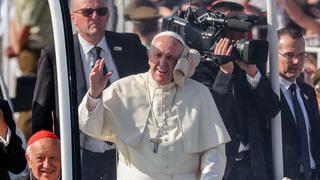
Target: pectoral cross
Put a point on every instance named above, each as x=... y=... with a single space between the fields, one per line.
x=156 y=141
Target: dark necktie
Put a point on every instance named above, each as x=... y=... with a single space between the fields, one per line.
x=96 y=55
x=304 y=148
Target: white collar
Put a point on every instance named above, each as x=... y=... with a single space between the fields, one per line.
x=87 y=46
x=285 y=84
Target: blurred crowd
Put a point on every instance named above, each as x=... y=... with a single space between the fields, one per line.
x=124 y=32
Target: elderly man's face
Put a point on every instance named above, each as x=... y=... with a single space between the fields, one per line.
x=44 y=159
x=90 y=23
x=291 y=57
x=163 y=56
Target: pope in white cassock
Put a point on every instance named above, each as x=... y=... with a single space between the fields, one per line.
x=166 y=126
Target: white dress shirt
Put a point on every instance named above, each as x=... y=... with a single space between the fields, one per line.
x=91 y=144
x=284 y=86
x=87 y=58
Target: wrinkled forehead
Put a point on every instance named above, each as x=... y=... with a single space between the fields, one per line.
x=170 y=34
x=45 y=143
x=166 y=44
x=76 y=4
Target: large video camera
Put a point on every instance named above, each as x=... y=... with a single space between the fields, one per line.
x=201 y=29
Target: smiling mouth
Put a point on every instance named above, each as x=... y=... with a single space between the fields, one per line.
x=48 y=171
x=295 y=69
x=162 y=70
x=95 y=24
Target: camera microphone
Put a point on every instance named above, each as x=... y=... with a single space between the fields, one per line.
x=202 y=15
x=238 y=25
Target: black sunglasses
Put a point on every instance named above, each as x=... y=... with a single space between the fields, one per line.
x=88 y=12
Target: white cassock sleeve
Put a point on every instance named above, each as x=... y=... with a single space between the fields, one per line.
x=91 y=118
x=213 y=162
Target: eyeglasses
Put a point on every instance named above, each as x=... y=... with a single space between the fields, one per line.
x=291 y=55
x=88 y=12
x=158 y=55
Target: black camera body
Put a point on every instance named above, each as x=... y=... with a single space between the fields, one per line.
x=201 y=29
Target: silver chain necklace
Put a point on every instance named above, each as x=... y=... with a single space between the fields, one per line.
x=157 y=139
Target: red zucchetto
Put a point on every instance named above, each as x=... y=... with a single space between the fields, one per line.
x=41 y=134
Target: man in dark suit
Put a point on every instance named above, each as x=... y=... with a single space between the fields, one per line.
x=245 y=101
x=299 y=110
x=124 y=55
x=11 y=152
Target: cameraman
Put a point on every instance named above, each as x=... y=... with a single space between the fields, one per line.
x=246 y=102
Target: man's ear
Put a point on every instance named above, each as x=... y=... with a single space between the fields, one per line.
x=73 y=17
x=148 y=52
x=28 y=160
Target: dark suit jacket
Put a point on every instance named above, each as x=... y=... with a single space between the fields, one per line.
x=129 y=55
x=12 y=157
x=245 y=112
x=290 y=134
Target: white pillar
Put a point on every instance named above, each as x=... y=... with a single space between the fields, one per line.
x=274 y=72
x=63 y=89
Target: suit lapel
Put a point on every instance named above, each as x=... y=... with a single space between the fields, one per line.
x=81 y=81
x=306 y=101
x=116 y=52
